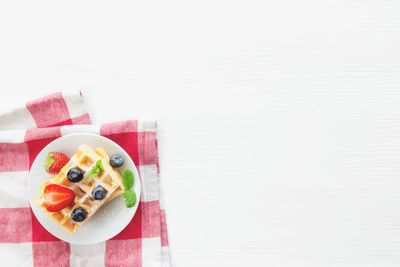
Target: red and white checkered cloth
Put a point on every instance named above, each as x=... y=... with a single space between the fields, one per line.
x=23 y=241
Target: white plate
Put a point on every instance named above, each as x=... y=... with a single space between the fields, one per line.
x=110 y=219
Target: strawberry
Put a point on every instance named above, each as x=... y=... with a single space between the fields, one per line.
x=57 y=197
x=55 y=161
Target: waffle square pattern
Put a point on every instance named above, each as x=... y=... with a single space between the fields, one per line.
x=85 y=159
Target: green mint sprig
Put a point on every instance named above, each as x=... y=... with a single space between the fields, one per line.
x=130 y=198
x=97 y=169
x=128 y=181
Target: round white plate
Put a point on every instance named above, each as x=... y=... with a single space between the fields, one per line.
x=110 y=219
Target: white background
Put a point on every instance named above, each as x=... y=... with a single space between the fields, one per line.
x=279 y=120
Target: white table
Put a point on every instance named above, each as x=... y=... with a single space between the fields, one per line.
x=279 y=120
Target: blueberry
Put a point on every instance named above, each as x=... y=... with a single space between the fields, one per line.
x=116 y=160
x=78 y=214
x=99 y=193
x=75 y=175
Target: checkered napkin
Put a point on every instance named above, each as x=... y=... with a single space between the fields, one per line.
x=23 y=241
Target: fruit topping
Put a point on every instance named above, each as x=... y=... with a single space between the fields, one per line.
x=116 y=160
x=78 y=214
x=55 y=161
x=99 y=193
x=57 y=197
x=75 y=175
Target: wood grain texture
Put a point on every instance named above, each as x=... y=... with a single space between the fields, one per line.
x=279 y=121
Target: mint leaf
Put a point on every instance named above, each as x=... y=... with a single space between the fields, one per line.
x=128 y=179
x=97 y=169
x=130 y=198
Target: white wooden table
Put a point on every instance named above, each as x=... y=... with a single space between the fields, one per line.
x=279 y=121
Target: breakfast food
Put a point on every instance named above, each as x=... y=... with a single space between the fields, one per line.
x=55 y=161
x=57 y=197
x=116 y=160
x=80 y=188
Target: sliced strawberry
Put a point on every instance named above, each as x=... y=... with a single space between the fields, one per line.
x=57 y=197
x=55 y=161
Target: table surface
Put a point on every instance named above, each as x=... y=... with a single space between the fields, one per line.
x=279 y=121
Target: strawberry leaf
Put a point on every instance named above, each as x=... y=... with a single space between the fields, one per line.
x=49 y=161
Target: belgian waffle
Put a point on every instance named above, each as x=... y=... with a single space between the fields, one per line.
x=85 y=159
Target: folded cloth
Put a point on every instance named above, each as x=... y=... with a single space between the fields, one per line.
x=23 y=241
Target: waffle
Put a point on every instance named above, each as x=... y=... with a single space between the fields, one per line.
x=85 y=158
